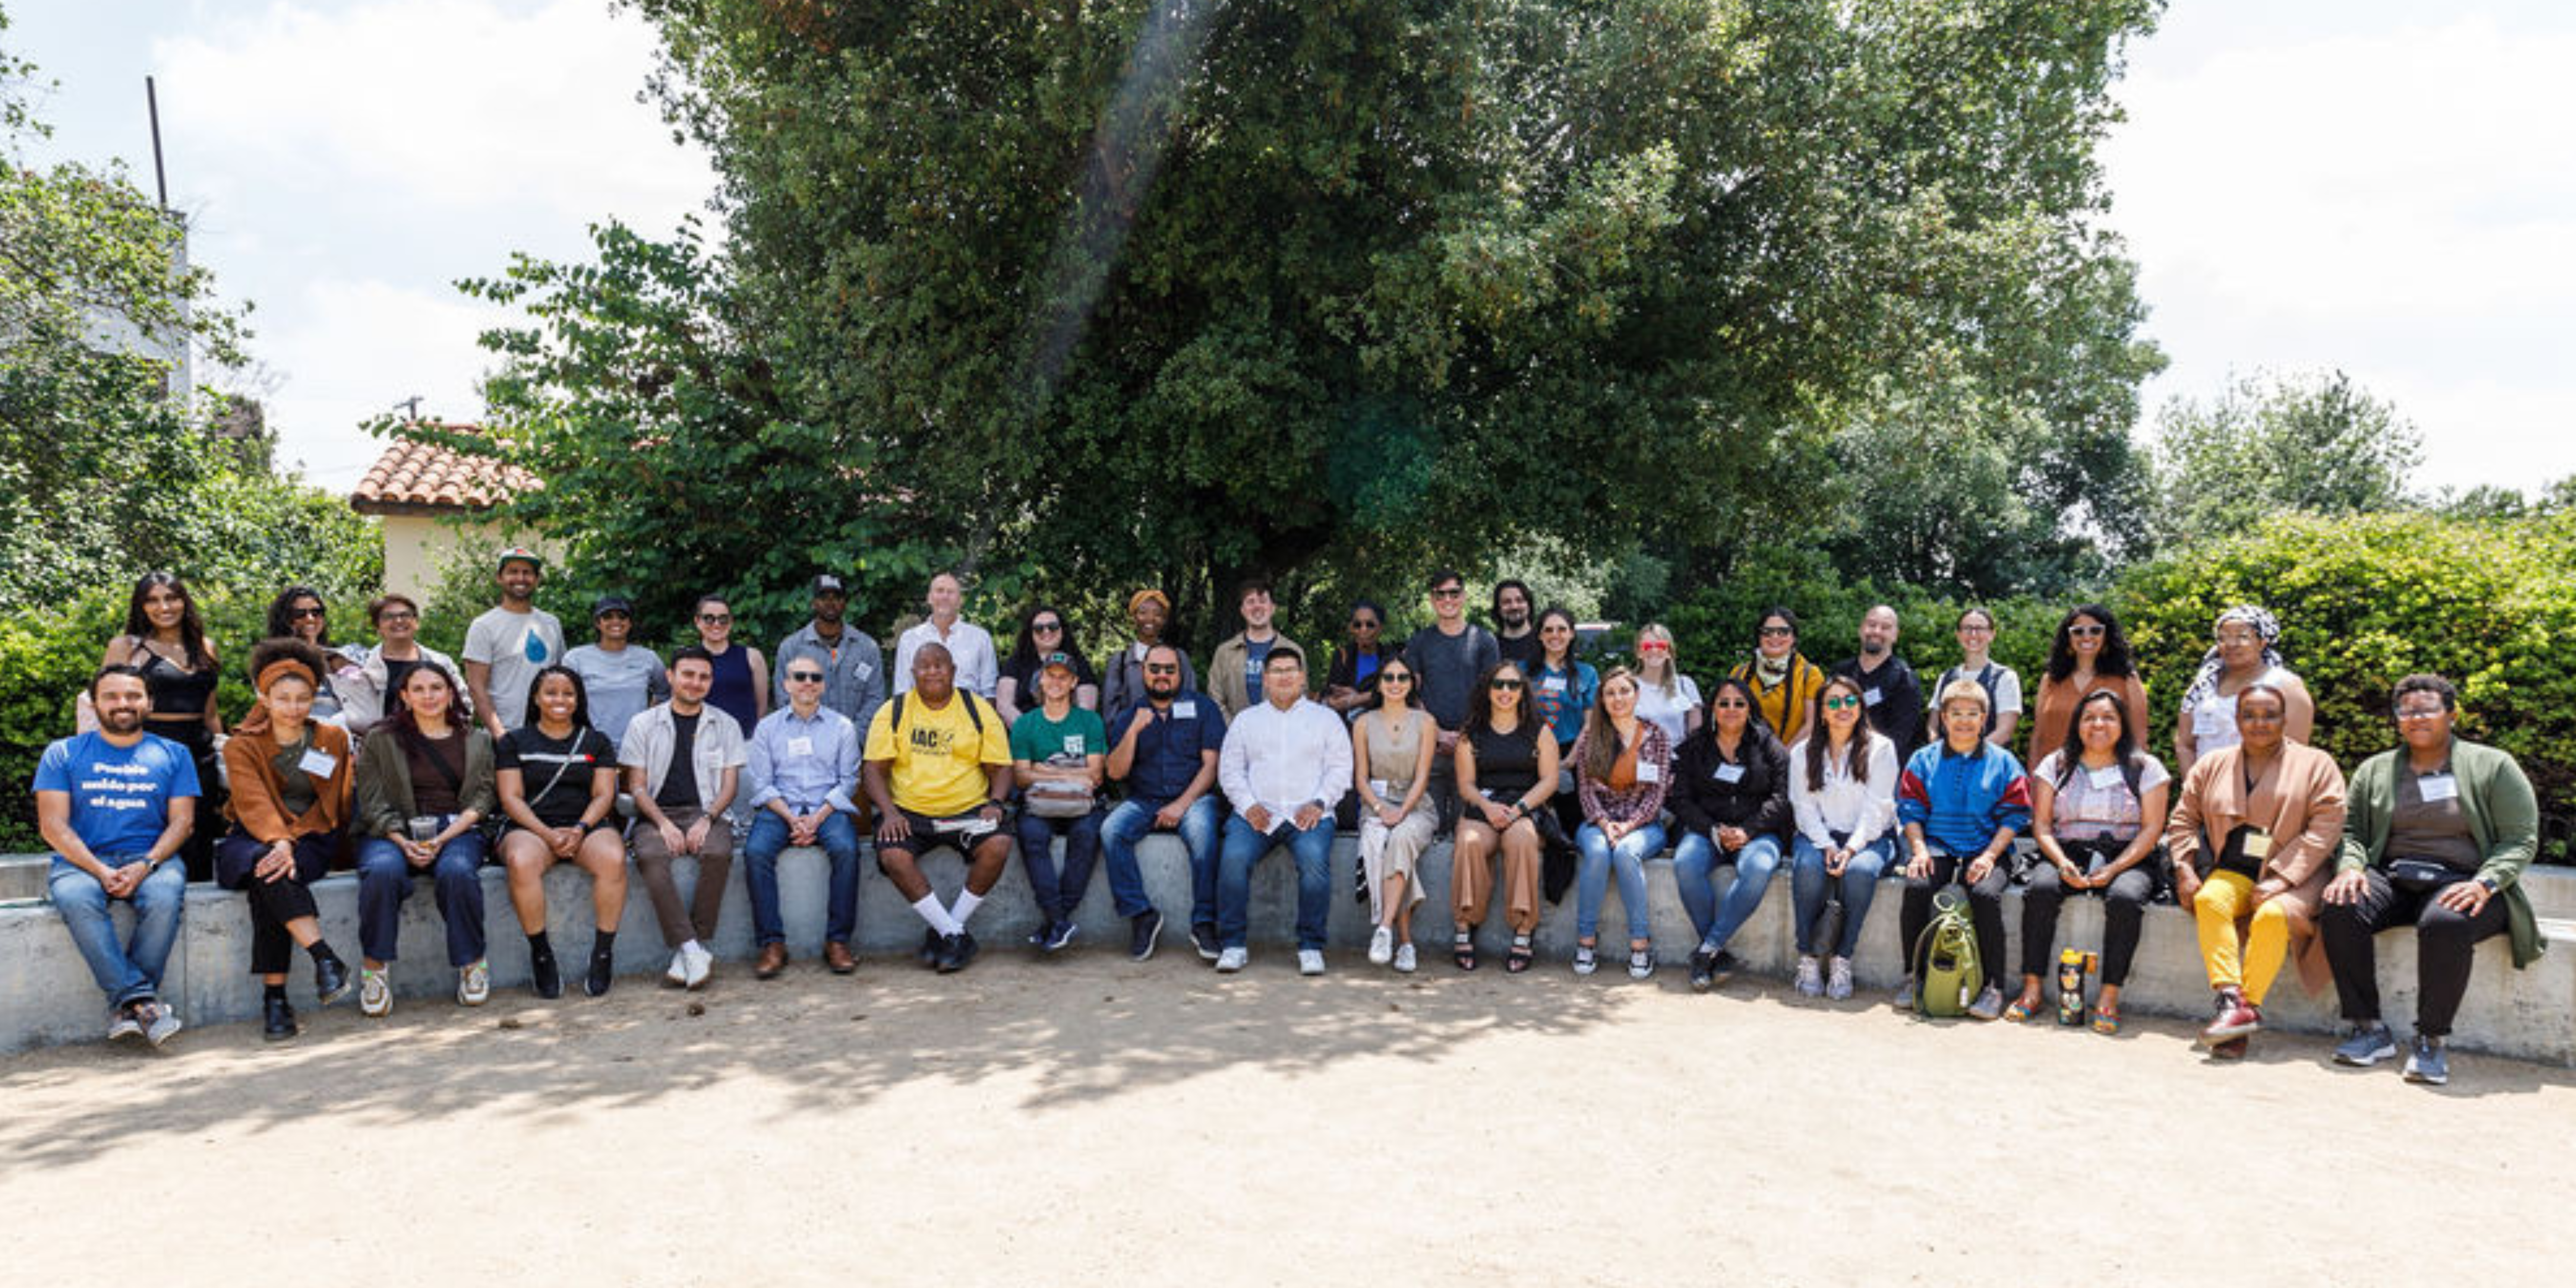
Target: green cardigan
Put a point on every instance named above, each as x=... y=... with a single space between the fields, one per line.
x=2504 y=820
x=384 y=782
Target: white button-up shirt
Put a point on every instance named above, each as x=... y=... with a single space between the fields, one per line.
x=1285 y=760
x=979 y=669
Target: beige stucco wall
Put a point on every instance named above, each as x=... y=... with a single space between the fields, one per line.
x=418 y=546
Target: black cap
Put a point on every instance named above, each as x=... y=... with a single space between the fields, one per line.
x=606 y=604
x=828 y=584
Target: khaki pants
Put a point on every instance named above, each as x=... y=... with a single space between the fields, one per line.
x=697 y=918
x=1471 y=884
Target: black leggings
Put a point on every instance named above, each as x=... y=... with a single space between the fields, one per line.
x=2123 y=913
x=197 y=852
x=2445 y=946
x=1985 y=908
x=275 y=903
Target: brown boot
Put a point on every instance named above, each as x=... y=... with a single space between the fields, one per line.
x=837 y=956
x=773 y=959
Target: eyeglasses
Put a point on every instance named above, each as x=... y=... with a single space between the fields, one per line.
x=396 y=615
x=1505 y=686
x=804 y=677
x=1844 y=703
x=1045 y=628
x=716 y=619
x=1970 y=628
x=1161 y=668
x=1448 y=592
x=2422 y=713
x=2239 y=637
x=1770 y=631
x=2084 y=632
x=299 y=614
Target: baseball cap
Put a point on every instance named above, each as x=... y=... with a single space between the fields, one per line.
x=1065 y=660
x=828 y=584
x=503 y=559
x=606 y=604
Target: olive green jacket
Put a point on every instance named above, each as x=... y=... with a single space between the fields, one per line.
x=2504 y=820
x=384 y=782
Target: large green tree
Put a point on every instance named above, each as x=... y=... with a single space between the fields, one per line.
x=1182 y=289
x=2272 y=443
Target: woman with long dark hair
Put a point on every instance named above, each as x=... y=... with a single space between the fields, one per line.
x=1842 y=794
x=1730 y=803
x=2088 y=653
x=1622 y=764
x=2097 y=807
x=1506 y=767
x=425 y=785
x=1043 y=630
x=165 y=638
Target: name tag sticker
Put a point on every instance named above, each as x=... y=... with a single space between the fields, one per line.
x=1377 y=788
x=1649 y=772
x=800 y=746
x=1073 y=744
x=1553 y=684
x=1185 y=711
x=2258 y=844
x=864 y=670
x=2437 y=787
x=1872 y=697
x=2105 y=778
x=1729 y=774
x=317 y=762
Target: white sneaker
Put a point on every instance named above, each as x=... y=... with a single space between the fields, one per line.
x=701 y=964
x=474 y=983
x=160 y=1023
x=1381 y=946
x=1811 y=977
x=1585 y=960
x=1404 y=961
x=678 y=975
x=376 y=994
x=1838 y=981
x=1310 y=961
x=122 y=1023
x=1231 y=960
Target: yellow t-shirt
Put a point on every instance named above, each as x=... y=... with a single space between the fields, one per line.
x=938 y=763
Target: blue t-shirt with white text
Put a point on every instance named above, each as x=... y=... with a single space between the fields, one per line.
x=120 y=795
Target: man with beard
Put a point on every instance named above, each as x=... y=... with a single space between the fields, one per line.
x=1513 y=630
x=853 y=667
x=1889 y=693
x=508 y=645
x=1165 y=749
x=115 y=804
x=937 y=766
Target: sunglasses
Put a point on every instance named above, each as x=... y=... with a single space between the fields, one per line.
x=2084 y=632
x=1394 y=677
x=1841 y=704
x=716 y=619
x=1161 y=668
x=1045 y=628
x=1451 y=592
x=299 y=614
x=804 y=677
x=1769 y=632
x=1363 y=624
x=1730 y=704
x=397 y=615
x=1653 y=646
x=1505 y=686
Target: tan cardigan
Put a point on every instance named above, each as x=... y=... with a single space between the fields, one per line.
x=2299 y=800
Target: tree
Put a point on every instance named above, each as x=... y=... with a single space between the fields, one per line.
x=2269 y=444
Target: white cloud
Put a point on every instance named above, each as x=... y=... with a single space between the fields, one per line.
x=465 y=104
x=355 y=347
x=2398 y=203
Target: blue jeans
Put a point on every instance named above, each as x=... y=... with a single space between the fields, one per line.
x=1693 y=858
x=1130 y=822
x=1313 y=850
x=839 y=838
x=384 y=881
x=1059 y=892
x=1597 y=857
x=132 y=971
x=1807 y=884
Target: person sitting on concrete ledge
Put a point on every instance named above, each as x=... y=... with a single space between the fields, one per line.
x=1961 y=801
x=1286 y=763
x=684 y=761
x=291 y=781
x=1059 y=752
x=2438 y=834
x=2098 y=806
x=425 y=786
x=1165 y=752
x=2254 y=837
x=556 y=777
x=804 y=765
x=938 y=767
x=116 y=804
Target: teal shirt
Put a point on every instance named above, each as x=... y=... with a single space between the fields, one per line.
x=1063 y=743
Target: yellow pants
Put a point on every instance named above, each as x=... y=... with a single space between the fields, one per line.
x=2225 y=901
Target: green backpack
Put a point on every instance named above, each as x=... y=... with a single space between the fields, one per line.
x=1946 y=971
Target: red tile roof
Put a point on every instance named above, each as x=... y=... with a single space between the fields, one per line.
x=414 y=477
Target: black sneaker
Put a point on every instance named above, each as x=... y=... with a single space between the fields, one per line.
x=1724 y=967
x=929 y=946
x=331 y=979
x=1142 y=932
x=955 y=951
x=603 y=972
x=279 y=1019
x=1203 y=937
x=544 y=977
x=1703 y=969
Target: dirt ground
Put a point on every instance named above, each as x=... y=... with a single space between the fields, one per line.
x=1092 y=1120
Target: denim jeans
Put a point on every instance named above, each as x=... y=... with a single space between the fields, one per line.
x=839 y=839
x=1058 y=893
x=384 y=881
x=1859 y=884
x=1313 y=850
x=1693 y=858
x=132 y=971
x=1130 y=822
x=1597 y=857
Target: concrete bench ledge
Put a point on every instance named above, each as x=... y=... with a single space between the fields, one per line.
x=46 y=995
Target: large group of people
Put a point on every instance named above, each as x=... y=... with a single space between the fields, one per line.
x=1549 y=775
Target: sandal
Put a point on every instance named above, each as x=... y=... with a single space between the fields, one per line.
x=1520 y=957
x=2106 y=1020
x=1462 y=949
x=2020 y=1010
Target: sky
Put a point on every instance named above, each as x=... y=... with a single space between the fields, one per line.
x=2385 y=189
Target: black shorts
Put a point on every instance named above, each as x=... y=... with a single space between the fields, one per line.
x=609 y=824
x=926 y=835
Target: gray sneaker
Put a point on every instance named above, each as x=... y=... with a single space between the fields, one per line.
x=122 y=1023
x=1989 y=1004
x=1838 y=980
x=1904 y=998
x=1811 y=977
x=2369 y=1044
x=160 y=1023
x=2427 y=1062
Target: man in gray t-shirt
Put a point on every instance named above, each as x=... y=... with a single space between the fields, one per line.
x=507 y=646
x=618 y=678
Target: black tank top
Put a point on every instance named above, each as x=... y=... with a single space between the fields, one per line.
x=1506 y=762
x=177 y=694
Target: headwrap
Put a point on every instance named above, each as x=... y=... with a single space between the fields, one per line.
x=1149 y=593
x=2266 y=627
x=257 y=722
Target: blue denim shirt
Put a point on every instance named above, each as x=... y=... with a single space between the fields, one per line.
x=1962 y=800
x=1167 y=751
x=807 y=763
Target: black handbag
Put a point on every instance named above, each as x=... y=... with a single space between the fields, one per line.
x=2422 y=876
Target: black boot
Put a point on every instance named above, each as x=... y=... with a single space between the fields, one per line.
x=331 y=980
x=280 y=1018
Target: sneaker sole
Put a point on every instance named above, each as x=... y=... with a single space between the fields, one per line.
x=162 y=1039
x=2363 y=1061
x=346 y=988
x=2214 y=1034
x=1146 y=953
x=2422 y=1079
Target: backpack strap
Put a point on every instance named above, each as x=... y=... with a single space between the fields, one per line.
x=974 y=712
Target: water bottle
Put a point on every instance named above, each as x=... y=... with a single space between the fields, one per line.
x=2070 y=986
